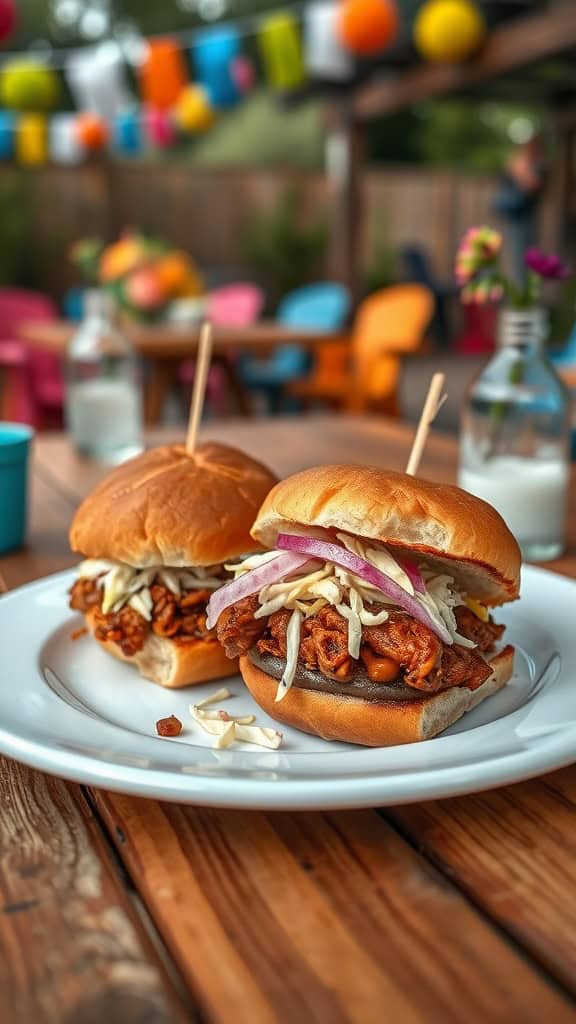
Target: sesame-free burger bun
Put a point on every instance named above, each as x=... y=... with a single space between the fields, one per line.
x=173 y=662
x=166 y=507
x=372 y=723
x=461 y=534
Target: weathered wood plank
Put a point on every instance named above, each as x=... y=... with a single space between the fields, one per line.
x=514 y=852
x=318 y=917
x=73 y=949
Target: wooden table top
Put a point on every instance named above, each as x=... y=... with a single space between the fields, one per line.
x=122 y=910
x=174 y=341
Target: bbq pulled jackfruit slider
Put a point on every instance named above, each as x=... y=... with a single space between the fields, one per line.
x=156 y=535
x=368 y=620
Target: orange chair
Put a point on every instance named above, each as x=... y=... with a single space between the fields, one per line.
x=364 y=373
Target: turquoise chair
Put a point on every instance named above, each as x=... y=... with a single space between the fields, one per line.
x=323 y=307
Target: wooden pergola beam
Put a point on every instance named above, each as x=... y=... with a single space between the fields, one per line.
x=514 y=45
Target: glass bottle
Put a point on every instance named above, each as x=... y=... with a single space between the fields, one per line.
x=103 y=400
x=515 y=434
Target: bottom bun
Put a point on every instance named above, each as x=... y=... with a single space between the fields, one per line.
x=370 y=723
x=173 y=663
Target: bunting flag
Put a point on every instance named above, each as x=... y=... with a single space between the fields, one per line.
x=281 y=51
x=326 y=58
x=32 y=140
x=214 y=53
x=158 y=128
x=7 y=134
x=97 y=81
x=243 y=73
x=184 y=82
x=127 y=133
x=63 y=142
x=163 y=74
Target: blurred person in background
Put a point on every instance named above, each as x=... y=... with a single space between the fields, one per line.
x=517 y=200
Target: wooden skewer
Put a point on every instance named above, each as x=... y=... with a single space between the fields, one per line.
x=199 y=390
x=434 y=402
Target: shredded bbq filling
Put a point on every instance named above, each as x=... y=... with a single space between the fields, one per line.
x=400 y=649
x=181 y=617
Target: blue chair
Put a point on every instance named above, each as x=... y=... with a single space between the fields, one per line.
x=417 y=270
x=323 y=307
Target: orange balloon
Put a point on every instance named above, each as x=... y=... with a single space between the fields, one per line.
x=366 y=27
x=91 y=131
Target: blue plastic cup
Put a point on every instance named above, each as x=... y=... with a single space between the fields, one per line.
x=15 y=441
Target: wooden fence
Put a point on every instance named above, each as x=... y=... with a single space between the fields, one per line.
x=206 y=211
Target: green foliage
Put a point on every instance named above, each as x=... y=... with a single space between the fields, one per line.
x=260 y=131
x=471 y=134
x=285 y=252
x=382 y=269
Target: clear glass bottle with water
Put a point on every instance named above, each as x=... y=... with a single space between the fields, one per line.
x=515 y=433
x=103 y=395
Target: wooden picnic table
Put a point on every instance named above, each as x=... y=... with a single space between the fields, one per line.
x=118 y=910
x=165 y=346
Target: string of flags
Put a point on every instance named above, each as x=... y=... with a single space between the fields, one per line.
x=180 y=85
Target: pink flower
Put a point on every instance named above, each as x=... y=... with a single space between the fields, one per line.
x=550 y=267
x=478 y=250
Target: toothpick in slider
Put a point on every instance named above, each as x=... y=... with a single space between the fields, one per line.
x=199 y=390
x=434 y=402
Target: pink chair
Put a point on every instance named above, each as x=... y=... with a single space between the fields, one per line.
x=233 y=305
x=36 y=391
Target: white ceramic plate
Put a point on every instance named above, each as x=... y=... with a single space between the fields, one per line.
x=67 y=708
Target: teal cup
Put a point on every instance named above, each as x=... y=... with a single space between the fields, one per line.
x=15 y=441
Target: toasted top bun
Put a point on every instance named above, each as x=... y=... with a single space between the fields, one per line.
x=459 y=533
x=166 y=507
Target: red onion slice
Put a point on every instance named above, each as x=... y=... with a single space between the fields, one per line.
x=414 y=575
x=329 y=552
x=252 y=583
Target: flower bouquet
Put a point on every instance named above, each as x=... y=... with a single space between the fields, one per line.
x=481 y=279
x=144 y=275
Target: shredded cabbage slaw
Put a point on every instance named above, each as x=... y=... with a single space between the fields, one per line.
x=316 y=584
x=123 y=584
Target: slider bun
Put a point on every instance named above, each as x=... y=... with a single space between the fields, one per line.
x=166 y=507
x=172 y=662
x=372 y=724
x=455 y=531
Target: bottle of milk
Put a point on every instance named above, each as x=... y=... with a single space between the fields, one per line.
x=103 y=397
x=515 y=434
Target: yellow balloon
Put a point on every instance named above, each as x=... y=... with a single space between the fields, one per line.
x=448 y=31
x=193 y=111
x=28 y=85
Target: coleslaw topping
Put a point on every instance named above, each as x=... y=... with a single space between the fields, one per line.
x=124 y=584
x=428 y=595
